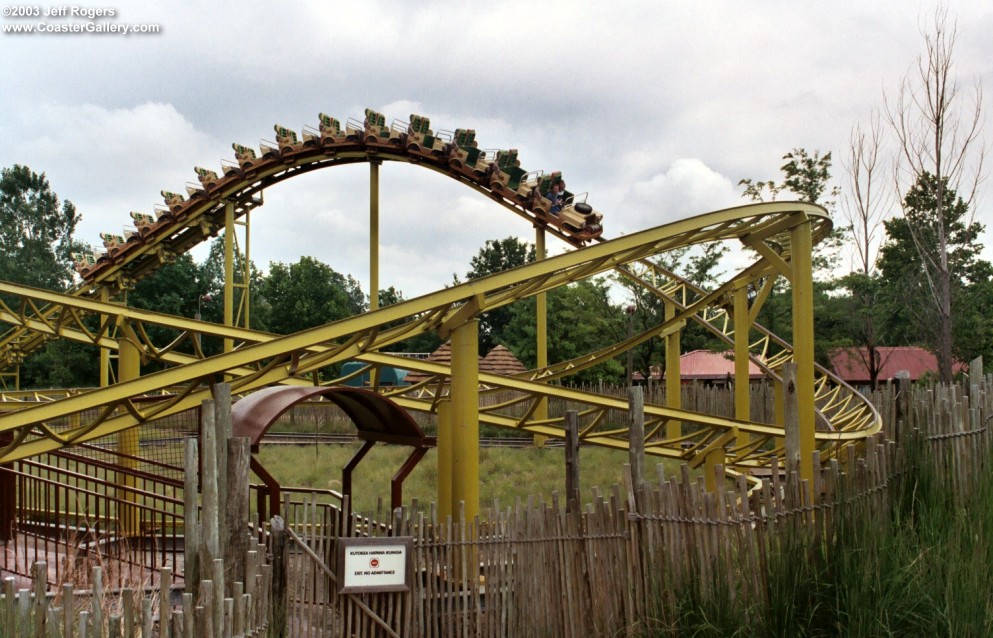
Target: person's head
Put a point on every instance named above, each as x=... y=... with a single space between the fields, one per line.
x=557 y=187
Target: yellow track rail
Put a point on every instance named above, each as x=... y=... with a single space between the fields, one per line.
x=261 y=359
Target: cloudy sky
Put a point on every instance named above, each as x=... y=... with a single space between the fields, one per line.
x=656 y=108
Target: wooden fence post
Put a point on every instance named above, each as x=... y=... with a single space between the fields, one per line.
x=279 y=580
x=636 y=436
x=191 y=518
x=975 y=377
x=222 y=424
x=210 y=532
x=236 y=512
x=572 y=460
x=902 y=419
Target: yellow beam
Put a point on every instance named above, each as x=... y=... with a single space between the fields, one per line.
x=803 y=343
x=673 y=375
x=128 y=446
x=541 y=333
x=374 y=248
x=229 y=258
x=445 y=449
x=104 y=352
x=465 y=418
x=373 y=235
x=742 y=388
x=360 y=335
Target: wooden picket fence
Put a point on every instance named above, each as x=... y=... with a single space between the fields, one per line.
x=537 y=567
x=139 y=611
x=545 y=571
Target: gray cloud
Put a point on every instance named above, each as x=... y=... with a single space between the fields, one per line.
x=655 y=108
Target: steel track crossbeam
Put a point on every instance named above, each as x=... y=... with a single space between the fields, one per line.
x=497 y=290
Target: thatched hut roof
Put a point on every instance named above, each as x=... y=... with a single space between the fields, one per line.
x=500 y=360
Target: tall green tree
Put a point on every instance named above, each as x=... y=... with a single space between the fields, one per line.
x=306 y=294
x=36 y=246
x=807 y=177
x=908 y=263
x=424 y=342
x=178 y=289
x=699 y=265
x=581 y=319
x=496 y=256
x=210 y=286
x=36 y=231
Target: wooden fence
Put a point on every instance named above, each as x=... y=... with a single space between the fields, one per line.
x=535 y=568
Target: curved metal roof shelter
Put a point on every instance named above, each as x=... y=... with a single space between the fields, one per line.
x=377 y=418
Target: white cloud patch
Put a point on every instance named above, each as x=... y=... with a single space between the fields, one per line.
x=656 y=109
x=111 y=161
x=686 y=188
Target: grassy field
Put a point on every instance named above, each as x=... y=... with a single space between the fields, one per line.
x=505 y=474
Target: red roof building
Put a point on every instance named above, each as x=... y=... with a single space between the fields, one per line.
x=706 y=365
x=851 y=364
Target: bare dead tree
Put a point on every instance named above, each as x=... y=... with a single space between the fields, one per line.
x=864 y=207
x=869 y=199
x=938 y=133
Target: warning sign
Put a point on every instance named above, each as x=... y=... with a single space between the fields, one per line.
x=374 y=564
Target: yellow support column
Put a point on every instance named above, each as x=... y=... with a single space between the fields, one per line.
x=128 y=516
x=444 y=449
x=373 y=235
x=673 y=376
x=229 y=257
x=374 y=250
x=246 y=273
x=465 y=418
x=541 y=334
x=714 y=458
x=742 y=407
x=104 y=352
x=801 y=244
x=778 y=407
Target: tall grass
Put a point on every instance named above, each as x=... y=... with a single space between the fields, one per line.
x=919 y=568
x=505 y=474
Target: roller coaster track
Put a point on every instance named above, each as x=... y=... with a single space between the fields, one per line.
x=263 y=359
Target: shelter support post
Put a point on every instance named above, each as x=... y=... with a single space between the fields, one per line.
x=346 y=473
